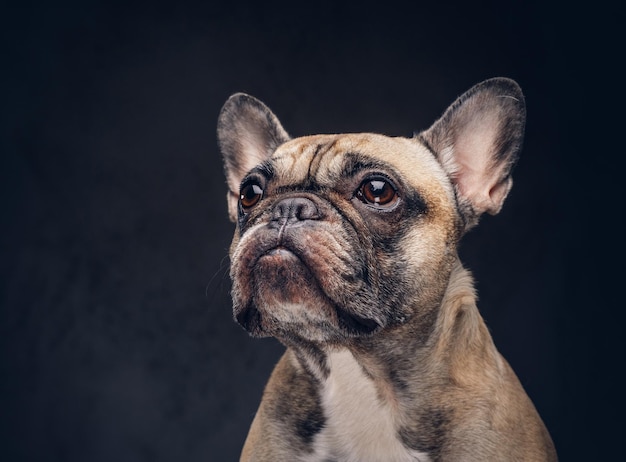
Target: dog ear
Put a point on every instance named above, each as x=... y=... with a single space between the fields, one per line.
x=248 y=133
x=477 y=141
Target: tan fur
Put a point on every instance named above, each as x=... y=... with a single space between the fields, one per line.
x=474 y=371
x=387 y=355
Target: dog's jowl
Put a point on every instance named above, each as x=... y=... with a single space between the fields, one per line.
x=345 y=250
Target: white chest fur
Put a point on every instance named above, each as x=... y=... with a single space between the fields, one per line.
x=359 y=427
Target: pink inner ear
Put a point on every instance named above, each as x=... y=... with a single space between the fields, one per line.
x=252 y=153
x=478 y=177
x=498 y=194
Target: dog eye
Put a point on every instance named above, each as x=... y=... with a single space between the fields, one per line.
x=378 y=192
x=250 y=195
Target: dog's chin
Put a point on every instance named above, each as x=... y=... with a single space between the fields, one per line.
x=287 y=301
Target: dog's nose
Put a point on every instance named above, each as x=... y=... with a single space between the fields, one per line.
x=295 y=209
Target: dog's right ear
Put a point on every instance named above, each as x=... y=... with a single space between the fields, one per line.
x=248 y=133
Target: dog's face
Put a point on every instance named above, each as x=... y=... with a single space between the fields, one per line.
x=335 y=231
x=346 y=235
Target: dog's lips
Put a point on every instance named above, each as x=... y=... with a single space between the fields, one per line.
x=283 y=269
x=279 y=252
x=275 y=260
x=276 y=257
x=291 y=282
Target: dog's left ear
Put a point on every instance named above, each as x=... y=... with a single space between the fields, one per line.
x=477 y=141
x=248 y=133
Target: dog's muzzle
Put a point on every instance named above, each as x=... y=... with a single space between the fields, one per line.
x=295 y=273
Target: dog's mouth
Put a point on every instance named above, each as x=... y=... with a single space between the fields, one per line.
x=280 y=255
x=277 y=258
x=294 y=292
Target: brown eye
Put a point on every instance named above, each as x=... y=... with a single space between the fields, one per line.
x=250 y=195
x=377 y=192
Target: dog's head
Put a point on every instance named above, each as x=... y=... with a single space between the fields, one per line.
x=344 y=235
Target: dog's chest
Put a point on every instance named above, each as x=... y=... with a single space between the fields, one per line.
x=358 y=426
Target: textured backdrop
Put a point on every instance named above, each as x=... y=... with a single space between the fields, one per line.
x=116 y=336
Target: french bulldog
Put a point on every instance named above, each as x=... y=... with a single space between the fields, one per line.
x=345 y=250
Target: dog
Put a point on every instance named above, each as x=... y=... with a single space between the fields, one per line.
x=345 y=250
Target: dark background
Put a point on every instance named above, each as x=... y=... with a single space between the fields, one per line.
x=116 y=337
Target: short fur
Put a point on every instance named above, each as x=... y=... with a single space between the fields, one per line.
x=346 y=251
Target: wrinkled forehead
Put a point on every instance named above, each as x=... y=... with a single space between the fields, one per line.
x=328 y=158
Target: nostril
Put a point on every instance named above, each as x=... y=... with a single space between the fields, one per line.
x=296 y=208
x=305 y=209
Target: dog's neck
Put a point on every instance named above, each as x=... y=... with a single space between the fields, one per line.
x=396 y=380
x=456 y=342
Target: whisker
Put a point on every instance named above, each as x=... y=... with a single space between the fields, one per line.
x=222 y=270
